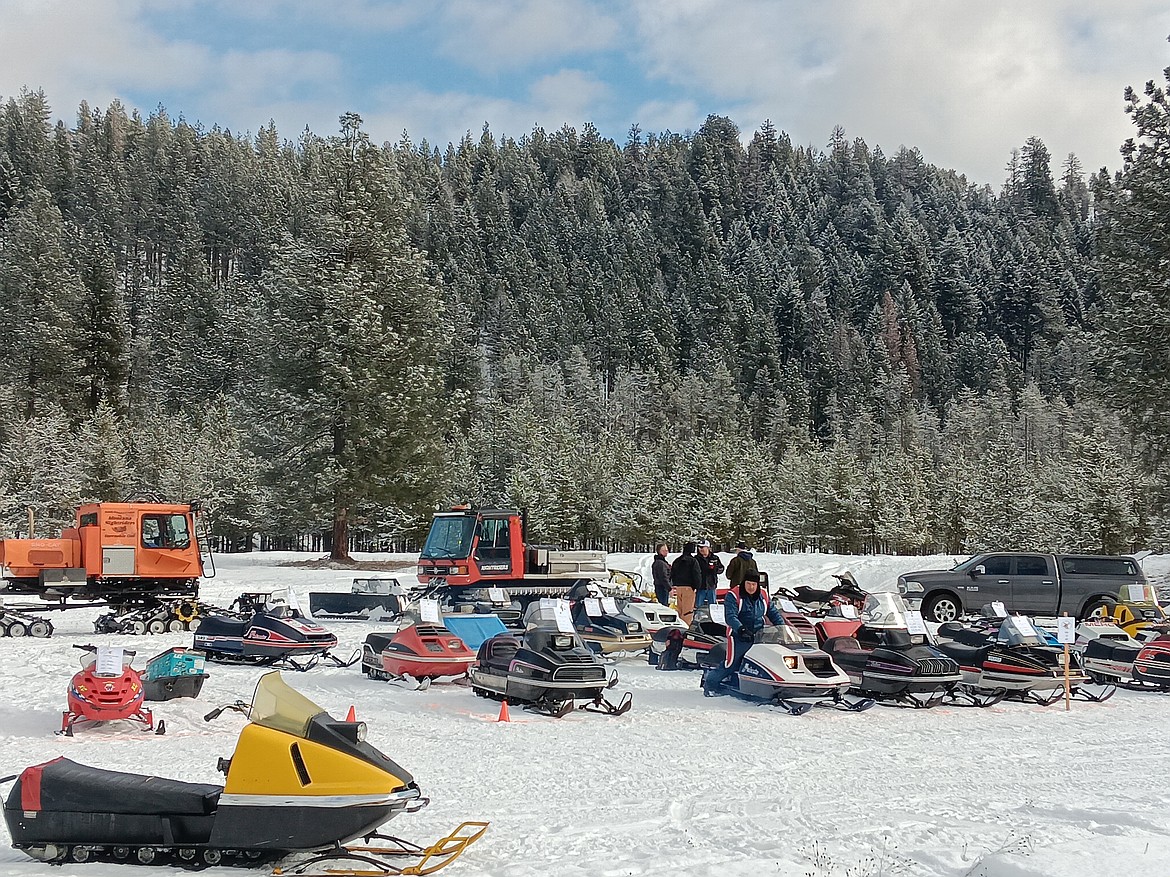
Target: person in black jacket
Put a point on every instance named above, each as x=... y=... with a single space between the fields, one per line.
x=687 y=578
x=660 y=569
x=711 y=566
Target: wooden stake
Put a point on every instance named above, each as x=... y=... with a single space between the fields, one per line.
x=31 y=522
x=1067 y=689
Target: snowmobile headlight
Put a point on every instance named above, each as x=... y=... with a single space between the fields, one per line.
x=910 y=587
x=790 y=662
x=361 y=732
x=562 y=642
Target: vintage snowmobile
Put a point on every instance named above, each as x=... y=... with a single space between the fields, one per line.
x=601 y=626
x=1108 y=654
x=177 y=672
x=106 y=689
x=654 y=616
x=819 y=601
x=1151 y=668
x=884 y=660
x=1012 y=660
x=299 y=781
x=417 y=654
x=684 y=648
x=378 y=599
x=547 y=671
x=780 y=668
x=271 y=635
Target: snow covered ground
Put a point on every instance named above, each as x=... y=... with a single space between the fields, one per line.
x=681 y=784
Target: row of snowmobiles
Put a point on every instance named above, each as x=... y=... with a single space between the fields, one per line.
x=547 y=668
x=846 y=640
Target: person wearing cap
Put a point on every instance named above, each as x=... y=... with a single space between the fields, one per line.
x=687 y=578
x=660 y=570
x=711 y=566
x=747 y=608
x=740 y=565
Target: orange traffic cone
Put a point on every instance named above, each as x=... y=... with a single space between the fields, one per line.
x=504 y=717
x=351 y=716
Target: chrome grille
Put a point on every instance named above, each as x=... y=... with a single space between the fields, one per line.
x=937 y=667
x=579 y=674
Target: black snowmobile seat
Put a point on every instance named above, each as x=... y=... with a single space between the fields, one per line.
x=1110 y=650
x=806 y=594
x=847 y=650
x=64 y=785
x=965 y=655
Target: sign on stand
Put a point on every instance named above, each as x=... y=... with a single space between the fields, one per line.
x=609 y=605
x=718 y=613
x=999 y=610
x=592 y=607
x=496 y=595
x=915 y=625
x=428 y=611
x=1137 y=593
x=1066 y=632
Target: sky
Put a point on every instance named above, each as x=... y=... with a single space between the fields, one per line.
x=964 y=82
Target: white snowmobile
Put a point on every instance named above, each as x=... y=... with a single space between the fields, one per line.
x=781 y=668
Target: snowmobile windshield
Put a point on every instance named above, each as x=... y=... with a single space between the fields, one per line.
x=884 y=610
x=779 y=635
x=450 y=537
x=277 y=706
x=1019 y=631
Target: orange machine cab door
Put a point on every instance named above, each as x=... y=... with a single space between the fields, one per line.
x=493 y=549
x=166 y=545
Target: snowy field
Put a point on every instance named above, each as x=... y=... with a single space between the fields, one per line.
x=681 y=784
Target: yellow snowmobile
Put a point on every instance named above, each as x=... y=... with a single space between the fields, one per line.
x=299 y=781
x=1138 y=612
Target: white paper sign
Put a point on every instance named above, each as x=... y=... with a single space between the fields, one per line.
x=592 y=607
x=915 y=626
x=1022 y=624
x=496 y=595
x=787 y=605
x=1066 y=630
x=563 y=618
x=998 y=610
x=718 y=613
x=428 y=611
x=108 y=661
x=293 y=602
x=549 y=602
x=847 y=610
x=609 y=605
x=1137 y=593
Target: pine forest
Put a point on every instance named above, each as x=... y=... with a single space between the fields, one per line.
x=709 y=333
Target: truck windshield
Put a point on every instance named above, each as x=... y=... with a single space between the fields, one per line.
x=450 y=537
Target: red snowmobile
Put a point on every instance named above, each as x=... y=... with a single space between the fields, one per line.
x=106 y=688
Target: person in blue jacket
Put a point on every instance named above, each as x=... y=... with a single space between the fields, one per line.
x=746 y=608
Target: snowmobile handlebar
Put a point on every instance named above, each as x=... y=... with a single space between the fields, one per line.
x=239 y=706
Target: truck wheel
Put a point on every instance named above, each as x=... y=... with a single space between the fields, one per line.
x=942 y=608
x=1098 y=607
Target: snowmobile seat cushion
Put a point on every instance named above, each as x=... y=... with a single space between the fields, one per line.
x=379 y=641
x=1104 y=649
x=966 y=656
x=68 y=786
x=841 y=644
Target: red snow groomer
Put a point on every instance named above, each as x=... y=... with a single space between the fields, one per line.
x=106 y=689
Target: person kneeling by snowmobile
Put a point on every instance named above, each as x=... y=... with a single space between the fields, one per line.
x=746 y=607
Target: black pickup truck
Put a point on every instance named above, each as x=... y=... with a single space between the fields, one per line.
x=1035 y=584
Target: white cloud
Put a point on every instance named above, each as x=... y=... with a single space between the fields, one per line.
x=510 y=34
x=964 y=82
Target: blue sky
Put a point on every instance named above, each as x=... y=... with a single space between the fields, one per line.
x=964 y=82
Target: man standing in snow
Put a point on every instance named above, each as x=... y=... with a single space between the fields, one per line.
x=660 y=569
x=746 y=607
x=687 y=578
x=711 y=566
x=740 y=565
